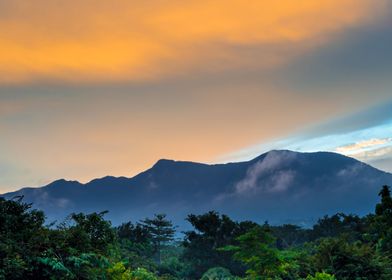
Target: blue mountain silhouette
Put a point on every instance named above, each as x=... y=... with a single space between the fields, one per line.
x=279 y=186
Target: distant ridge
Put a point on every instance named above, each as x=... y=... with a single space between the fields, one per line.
x=282 y=186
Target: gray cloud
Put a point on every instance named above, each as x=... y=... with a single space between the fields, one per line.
x=360 y=56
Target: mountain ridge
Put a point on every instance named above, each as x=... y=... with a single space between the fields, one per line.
x=246 y=190
x=163 y=160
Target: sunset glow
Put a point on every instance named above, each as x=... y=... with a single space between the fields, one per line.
x=130 y=41
x=99 y=88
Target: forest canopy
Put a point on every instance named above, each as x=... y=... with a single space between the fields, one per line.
x=87 y=246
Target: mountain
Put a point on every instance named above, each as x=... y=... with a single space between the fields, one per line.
x=281 y=186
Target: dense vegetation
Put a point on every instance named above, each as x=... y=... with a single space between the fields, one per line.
x=88 y=247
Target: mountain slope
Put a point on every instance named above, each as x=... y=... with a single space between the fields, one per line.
x=281 y=186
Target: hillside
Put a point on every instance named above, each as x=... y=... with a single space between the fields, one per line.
x=281 y=186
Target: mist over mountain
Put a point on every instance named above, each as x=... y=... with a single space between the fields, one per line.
x=281 y=186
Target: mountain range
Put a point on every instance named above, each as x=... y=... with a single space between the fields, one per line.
x=280 y=186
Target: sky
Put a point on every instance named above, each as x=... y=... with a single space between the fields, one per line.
x=99 y=88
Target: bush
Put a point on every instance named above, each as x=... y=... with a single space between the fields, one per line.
x=321 y=276
x=218 y=273
x=142 y=274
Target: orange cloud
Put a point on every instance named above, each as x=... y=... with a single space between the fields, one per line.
x=109 y=41
x=356 y=147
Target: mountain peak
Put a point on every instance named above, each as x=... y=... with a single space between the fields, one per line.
x=63 y=181
x=164 y=162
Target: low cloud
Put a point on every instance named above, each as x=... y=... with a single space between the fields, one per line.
x=43 y=199
x=350 y=171
x=276 y=179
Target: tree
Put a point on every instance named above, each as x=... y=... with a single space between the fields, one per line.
x=385 y=207
x=211 y=232
x=161 y=231
x=135 y=245
x=256 y=251
x=218 y=273
x=382 y=222
x=90 y=233
x=321 y=276
x=79 y=248
x=350 y=260
x=142 y=274
x=118 y=271
x=335 y=225
x=22 y=237
x=289 y=235
x=134 y=233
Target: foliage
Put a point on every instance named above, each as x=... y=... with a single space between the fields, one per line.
x=382 y=222
x=21 y=236
x=211 y=232
x=321 y=276
x=295 y=263
x=218 y=273
x=347 y=260
x=135 y=246
x=86 y=246
x=161 y=231
x=90 y=233
x=289 y=235
x=255 y=250
x=142 y=274
x=118 y=271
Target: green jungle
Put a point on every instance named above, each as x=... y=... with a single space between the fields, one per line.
x=87 y=246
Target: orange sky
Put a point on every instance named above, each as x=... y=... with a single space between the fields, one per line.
x=92 y=88
x=131 y=40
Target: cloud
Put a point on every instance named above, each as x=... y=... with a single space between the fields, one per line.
x=350 y=171
x=62 y=202
x=133 y=41
x=358 y=58
x=265 y=176
x=353 y=148
x=98 y=88
x=42 y=199
x=379 y=157
x=375 y=154
x=363 y=135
